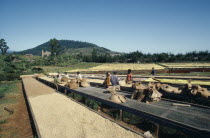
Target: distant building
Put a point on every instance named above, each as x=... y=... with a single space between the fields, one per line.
x=45 y=53
x=115 y=54
x=32 y=60
x=15 y=60
x=29 y=55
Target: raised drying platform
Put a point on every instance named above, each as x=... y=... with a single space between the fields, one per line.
x=174 y=96
x=55 y=115
x=194 y=119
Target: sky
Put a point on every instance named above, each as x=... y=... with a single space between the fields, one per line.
x=150 y=26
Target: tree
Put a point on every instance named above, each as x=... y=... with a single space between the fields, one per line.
x=94 y=55
x=55 y=49
x=3 y=46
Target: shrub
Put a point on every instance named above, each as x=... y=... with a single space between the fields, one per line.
x=9 y=69
x=9 y=76
x=37 y=70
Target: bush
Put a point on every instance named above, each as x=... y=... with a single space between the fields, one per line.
x=37 y=70
x=2 y=90
x=2 y=94
x=9 y=76
x=9 y=69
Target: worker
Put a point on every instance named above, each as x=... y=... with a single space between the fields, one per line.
x=59 y=76
x=57 y=80
x=79 y=76
x=107 y=80
x=66 y=75
x=114 y=79
x=129 y=77
x=153 y=72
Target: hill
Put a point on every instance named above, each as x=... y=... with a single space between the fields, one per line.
x=68 y=46
x=10 y=51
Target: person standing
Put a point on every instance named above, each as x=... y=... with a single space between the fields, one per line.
x=59 y=76
x=79 y=76
x=153 y=72
x=66 y=75
x=57 y=80
x=114 y=79
x=129 y=77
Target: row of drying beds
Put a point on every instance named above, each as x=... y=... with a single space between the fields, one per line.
x=146 y=112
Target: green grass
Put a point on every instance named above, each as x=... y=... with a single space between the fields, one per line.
x=9 y=90
x=7 y=101
x=3 y=121
x=6 y=88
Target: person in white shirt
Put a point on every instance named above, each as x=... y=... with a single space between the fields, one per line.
x=59 y=76
x=66 y=75
x=79 y=76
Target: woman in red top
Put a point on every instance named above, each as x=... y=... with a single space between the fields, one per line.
x=129 y=77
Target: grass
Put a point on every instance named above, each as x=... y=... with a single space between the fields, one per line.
x=3 y=121
x=8 y=90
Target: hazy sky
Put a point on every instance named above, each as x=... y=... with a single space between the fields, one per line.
x=119 y=25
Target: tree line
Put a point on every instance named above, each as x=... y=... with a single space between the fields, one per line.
x=59 y=59
x=134 y=57
x=139 y=57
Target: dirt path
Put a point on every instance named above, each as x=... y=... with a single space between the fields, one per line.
x=18 y=124
x=58 y=116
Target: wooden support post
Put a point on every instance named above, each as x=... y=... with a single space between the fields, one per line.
x=131 y=119
x=157 y=127
x=121 y=115
x=65 y=91
x=73 y=95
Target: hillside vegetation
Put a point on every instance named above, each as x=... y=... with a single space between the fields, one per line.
x=88 y=52
x=12 y=66
x=67 y=46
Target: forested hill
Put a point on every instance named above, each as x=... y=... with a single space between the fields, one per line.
x=68 y=46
